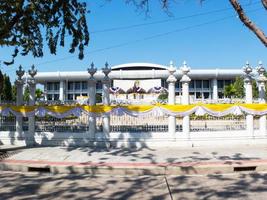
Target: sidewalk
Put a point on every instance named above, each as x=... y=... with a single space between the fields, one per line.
x=162 y=161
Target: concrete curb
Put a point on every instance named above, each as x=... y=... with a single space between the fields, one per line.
x=182 y=168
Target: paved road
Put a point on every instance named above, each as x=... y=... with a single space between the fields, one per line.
x=48 y=186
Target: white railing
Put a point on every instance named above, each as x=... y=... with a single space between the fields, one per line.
x=126 y=123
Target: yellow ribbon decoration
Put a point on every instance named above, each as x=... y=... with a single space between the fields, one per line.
x=218 y=107
x=137 y=108
x=23 y=109
x=59 y=109
x=256 y=107
x=178 y=108
x=98 y=108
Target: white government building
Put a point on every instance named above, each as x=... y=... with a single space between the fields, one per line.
x=205 y=84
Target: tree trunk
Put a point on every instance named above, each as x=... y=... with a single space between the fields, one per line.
x=248 y=23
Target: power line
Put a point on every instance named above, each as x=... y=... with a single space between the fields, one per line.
x=147 y=38
x=167 y=20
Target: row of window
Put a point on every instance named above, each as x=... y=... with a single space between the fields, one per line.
x=194 y=84
x=202 y=95
x=55 y=97
x=77 y=85
x=201 y=84
x=72 y=86
x=50 y=86
x=52 y=97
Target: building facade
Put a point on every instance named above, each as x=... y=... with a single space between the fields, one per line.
x=206 y=84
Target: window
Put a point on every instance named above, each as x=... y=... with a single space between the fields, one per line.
x=84 y=94
x=227 y=82
x=164 y=83
x=77 y=85
x=49 y=97
x=220 y=84
x=70 y=96
x=177 y=85
x=76 y=95
x=198 y=84
x=98 y=85
x=206 y=84
x=56 y=97
x=192 y=85
x=198 y=95
x=56 y=86
x=220 y=95
x=84 y=85
x=70 y=86
x=206 y=95
x=49 y=86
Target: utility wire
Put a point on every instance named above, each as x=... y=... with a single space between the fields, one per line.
x=147 y=38
x=167 y=20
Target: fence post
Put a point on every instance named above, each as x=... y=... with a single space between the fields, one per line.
x=19 y=97
x=171 y=99
x=261 y=85
x=185 y=97
x=106 y=101
x=92 y=100
x=32 y=86
x=248 y=92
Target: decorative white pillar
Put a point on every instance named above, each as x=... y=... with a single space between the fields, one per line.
x=214 y=90
x=106 y=101
x=19 y=97
x=32 y=86
x=92 y=100
x=61 y=90
x=248 y=92
x=262 y=97
x=171 y=98
x=185 y=97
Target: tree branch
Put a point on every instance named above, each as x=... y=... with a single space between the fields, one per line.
x=264 y=3
x=9 y=25
x=248 y=23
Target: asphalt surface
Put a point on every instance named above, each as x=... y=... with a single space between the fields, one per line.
x=18 y=186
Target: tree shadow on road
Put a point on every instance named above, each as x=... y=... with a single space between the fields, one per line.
x=47 y=186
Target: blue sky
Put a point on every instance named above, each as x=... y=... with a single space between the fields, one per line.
x=216 y=40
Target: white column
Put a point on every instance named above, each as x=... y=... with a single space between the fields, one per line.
x=171 y=99
x=19 y=101
x=214 y=90
x=262 y=97
x=248 y=92
x=185 y=98
x=92 y=100
x=61 y=90
x=32 y=87
x=106 y=101
x=19 y=97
